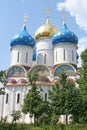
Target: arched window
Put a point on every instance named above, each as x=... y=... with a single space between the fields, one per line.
x=72 y=55
x=44 y=58
x=64 y=55
x=40 y=58
x=18 y=57
x=6 y=98
x=18 y=98
x=26 y=57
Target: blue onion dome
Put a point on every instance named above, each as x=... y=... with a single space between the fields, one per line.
x=47 y=30
x=34 y=54
x=64 y=36
x=23 y=38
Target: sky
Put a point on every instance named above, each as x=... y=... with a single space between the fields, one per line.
x=11 y=21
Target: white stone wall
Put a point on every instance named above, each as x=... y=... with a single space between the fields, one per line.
x=7 y=108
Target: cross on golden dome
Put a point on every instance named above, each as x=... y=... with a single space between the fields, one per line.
x=47 y=10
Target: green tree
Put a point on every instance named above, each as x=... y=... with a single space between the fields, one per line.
x=45 y=117
x=16 y=116
x=2 y=80
x=65 y=98
x=33 y=102
x=82 y=81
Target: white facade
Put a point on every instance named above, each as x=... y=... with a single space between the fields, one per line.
x=11 y=103
x=50 y=59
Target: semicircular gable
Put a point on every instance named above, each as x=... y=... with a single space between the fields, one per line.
x=40 y=69
x=64 y=68
x=16 y=71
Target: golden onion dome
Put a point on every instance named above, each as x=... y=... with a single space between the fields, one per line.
x=47 y=30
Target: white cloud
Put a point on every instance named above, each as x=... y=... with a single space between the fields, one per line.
x=81 y=47
x=78 y=9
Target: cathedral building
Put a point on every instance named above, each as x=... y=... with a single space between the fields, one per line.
x=49 y=52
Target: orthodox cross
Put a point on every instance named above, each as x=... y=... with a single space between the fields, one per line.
x=63 y=16
x=25 y=19
x=47 y=10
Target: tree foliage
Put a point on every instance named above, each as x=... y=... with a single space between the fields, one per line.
x=16 y=115
x=2 y=76
x=33 y=102
x=83 y=71
x=82 y=81
x=2 y=80
x=65 y=98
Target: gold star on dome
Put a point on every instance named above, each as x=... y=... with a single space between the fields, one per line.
x=25 y=19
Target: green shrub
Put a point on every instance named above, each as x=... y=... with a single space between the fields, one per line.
x=8 y=126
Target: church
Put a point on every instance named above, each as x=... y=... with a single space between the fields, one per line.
x=48 y=52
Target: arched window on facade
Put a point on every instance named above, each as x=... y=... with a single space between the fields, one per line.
x=6 y=98
x=18 y=98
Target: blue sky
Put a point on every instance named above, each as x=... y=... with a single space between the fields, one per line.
x=11 y=21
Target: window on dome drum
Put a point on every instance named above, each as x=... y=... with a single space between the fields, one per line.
x=26 y=57
x=18 y=98
x=64 y=55
x=45 y=96
x=44 y=58
x=18 y=57
x=72 y=55
x=56 y=56
x=40 y=58
x=6 y=98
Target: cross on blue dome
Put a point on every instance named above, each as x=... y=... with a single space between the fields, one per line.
x=64 y=36
x=23 y=38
